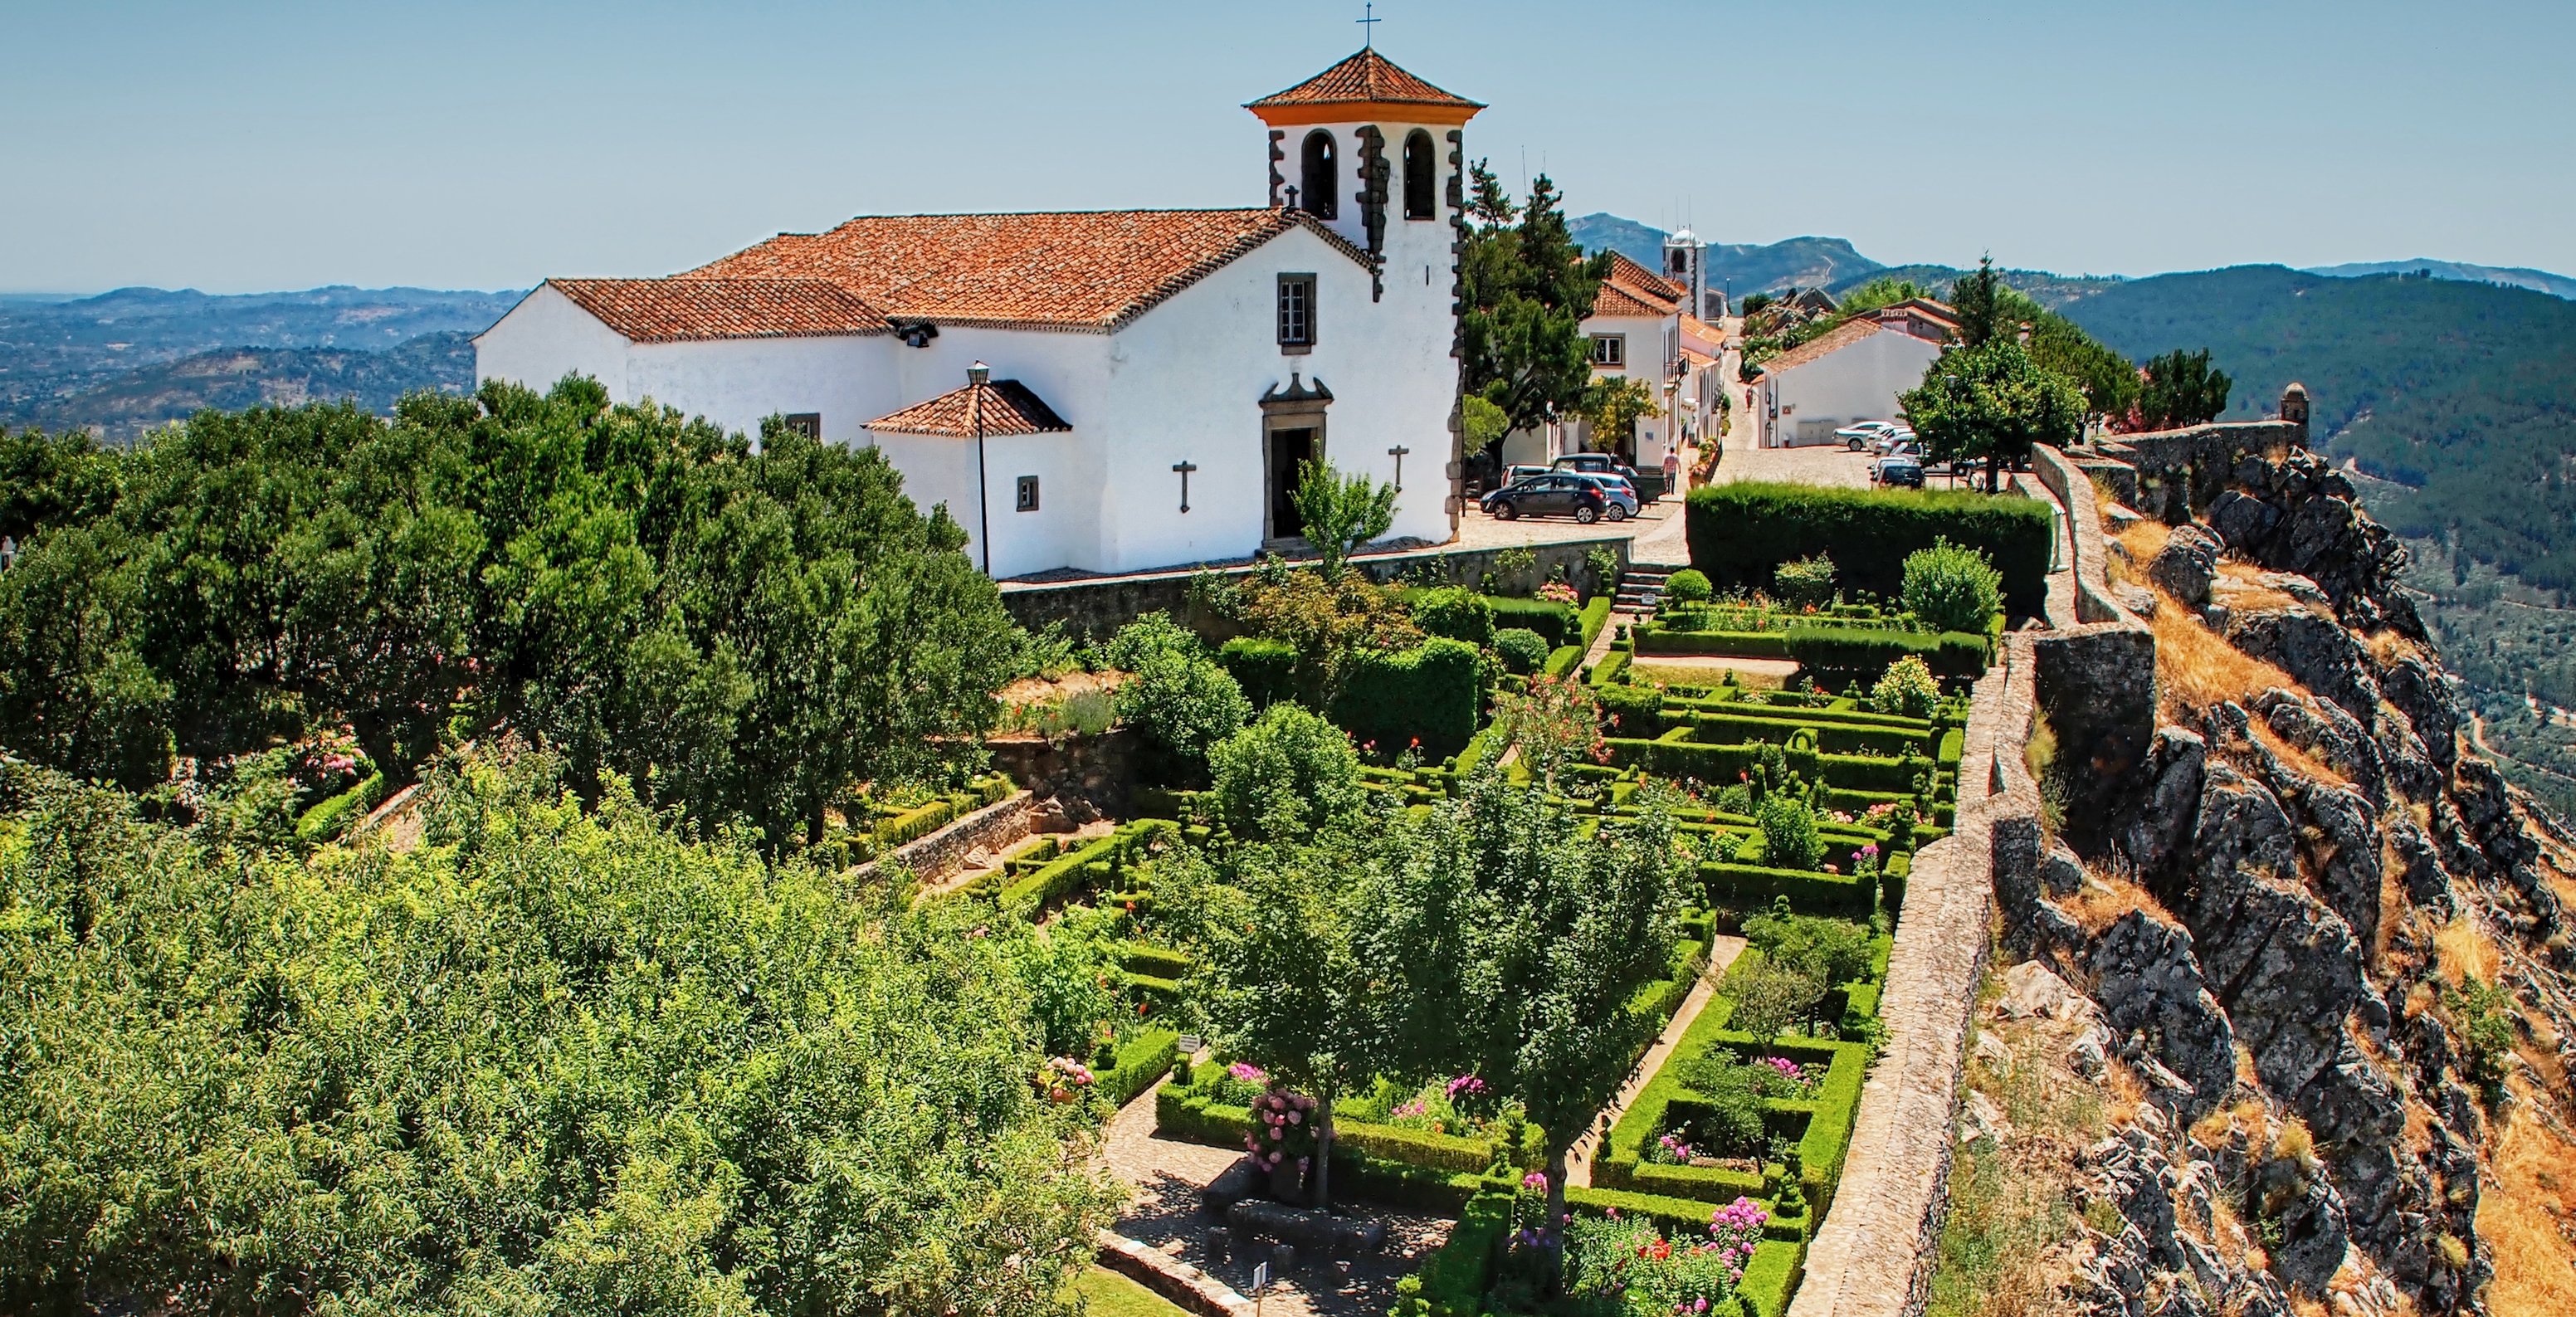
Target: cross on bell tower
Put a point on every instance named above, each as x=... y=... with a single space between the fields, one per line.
x=1368 y=21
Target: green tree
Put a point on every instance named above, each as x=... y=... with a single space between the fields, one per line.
x=1286 y=776
x=1178 y=700
x=1978 y=298
x=554 y=1059
x=1990 y=404
x=1953 y=587
x=2180 y=389
x=1528 y=288
x=1553 y=720
x=1340 y=513
x=1613 y=405
x=1570 y=925
x=1484 y=423
x=2109 y=381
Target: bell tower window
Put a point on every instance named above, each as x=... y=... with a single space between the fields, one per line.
x=1321 y=188
x=1421 y=176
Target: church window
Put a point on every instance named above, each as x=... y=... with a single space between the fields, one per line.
x=1296 y=312
x=1609 y=349
x=1322 y=185
x=1028 y=494
x=1420 y=174
x=808 y=424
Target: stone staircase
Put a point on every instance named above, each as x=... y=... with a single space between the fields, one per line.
x=1639 y=589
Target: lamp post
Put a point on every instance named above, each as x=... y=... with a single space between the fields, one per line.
x=977 y=377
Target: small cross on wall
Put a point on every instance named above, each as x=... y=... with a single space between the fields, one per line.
x=1398 y=453
x=1185 y=468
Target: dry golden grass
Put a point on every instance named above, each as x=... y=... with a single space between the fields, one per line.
x=2297 y=757
x=2388 y=647
x=2392 y=904
x=2143 y=541
x=2197 y=670
x=2099 y=904
x=2464 y=949
x=2525 y=1216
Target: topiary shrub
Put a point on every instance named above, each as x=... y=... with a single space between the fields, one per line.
x=1952 y=587
x=1906 y=689
x=1431 y=693
x=1522 y=650
x=1789 y=839
x=1805 y=583
x=1688 y=586
x=1455 y=613
x=1264 y=668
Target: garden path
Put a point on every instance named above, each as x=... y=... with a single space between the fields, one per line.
x=1166 y=1175
x=1578 y=1164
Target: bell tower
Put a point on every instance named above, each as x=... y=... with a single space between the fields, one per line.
x=1686 y=264
x=1374 y=153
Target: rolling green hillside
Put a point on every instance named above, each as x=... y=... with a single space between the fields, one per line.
x=2463 y=393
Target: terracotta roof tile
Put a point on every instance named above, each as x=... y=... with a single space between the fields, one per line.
x=1616 y=300
x=1007 y=408
x=1842 y=336
x=669 y=310
x=1367 y=78
x=1640 y=279
x=1070 y=270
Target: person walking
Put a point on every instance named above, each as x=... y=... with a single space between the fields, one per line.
x=1672 y=470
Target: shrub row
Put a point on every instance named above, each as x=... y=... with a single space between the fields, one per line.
x=329 y=818
x=1142 y=1062
x=1265 y=669
x=1842 y=652
x=1564 y=659
x=1186 y=1113
x=1556 y=623
x=1595 y=616
x=1430 y=693
x=1740 y=533
x=1728 y=644
x=1745 y=886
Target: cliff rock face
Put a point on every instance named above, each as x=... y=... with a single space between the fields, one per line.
x=2299 y=868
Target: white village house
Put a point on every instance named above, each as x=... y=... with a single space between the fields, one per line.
x=1854 y=372
x=1155 y=376
x=1641 y=328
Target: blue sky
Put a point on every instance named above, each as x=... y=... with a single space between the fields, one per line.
x=261 y=145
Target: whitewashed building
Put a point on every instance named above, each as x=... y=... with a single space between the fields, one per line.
x=1105 y=391
x=1853 y=372
x=1642 y=328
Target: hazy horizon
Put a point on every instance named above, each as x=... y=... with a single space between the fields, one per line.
x=277 y=146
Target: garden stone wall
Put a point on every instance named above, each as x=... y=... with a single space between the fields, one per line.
x=1094 y=609
x=2096 y=679
x=2179 y=472
x=1875 y=1253
x=993 y=828
x=1082 y=777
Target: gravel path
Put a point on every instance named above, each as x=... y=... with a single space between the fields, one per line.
x=1167 y=1175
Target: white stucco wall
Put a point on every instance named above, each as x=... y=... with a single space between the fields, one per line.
x=1063 y=532
x=1857 y=383
x=546 y=337
x=737 y=382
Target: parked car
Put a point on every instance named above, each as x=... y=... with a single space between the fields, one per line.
x=1619 y=498
x=1556 y=494
x=1894 y=471
x=1860 y=434
x=1513 y=475
x=1887 y=442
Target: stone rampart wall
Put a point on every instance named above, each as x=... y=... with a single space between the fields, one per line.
x=942 y=853
x=1875 y=1253
x=2181 y=471
x=1095 y=608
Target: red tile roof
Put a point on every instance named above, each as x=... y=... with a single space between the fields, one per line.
x=1006 y=406
x=1641 y=279
x=1064 y=270
x=1617 y=301
x=1365 y=79
x=1842 y=336
x=669 y=310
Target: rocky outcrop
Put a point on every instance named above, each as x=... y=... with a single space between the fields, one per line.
x=2295 y=851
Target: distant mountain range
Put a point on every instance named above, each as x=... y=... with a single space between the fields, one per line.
x=231 y=379
x=1835 y=266
x=2538 y=281
x=57 y=351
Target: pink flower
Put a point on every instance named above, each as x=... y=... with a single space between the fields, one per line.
x=1296 y=1117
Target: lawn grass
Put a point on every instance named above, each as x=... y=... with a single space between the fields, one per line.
x=1105 y=1293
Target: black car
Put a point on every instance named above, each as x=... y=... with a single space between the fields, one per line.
x=1547 y=496
x=1894 y=471
x=1605 y=464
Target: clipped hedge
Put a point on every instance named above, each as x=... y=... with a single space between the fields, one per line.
x=1562 y=660
x=328 y=818
x=1745 y=886
x=1608 y=672
x=1718 y=644
x=1855 y=653
x=1555 y=622
x=1263 y=668
x=1430 y=692
x=1454 y=1280
x=1741 y=532
x=1142 y=1062
x=1595 y=616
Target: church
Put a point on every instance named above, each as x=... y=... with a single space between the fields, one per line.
x=1093 y=391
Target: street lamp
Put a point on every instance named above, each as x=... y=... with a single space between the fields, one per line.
x=977 y=377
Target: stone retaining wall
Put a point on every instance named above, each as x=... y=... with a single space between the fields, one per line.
x=1875 y=1253
x=1095 y=608
x=942 y=853
x=2180 y=471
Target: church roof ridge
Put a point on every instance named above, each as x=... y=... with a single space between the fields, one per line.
x=671 y=310
x=1078 y=270
x=1365 y=78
